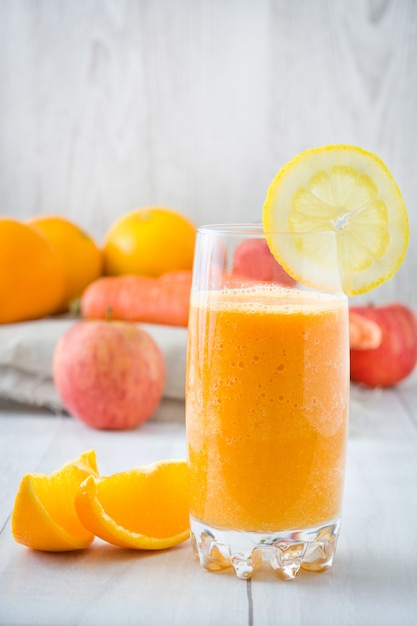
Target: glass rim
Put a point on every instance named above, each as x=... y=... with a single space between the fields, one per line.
x=255 y=229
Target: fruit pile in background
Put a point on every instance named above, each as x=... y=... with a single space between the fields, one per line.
x=110 y=374
x=142 y=273
x=47 y=262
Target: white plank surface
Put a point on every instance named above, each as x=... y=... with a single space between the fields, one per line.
x=106 y=106
x=373 y=580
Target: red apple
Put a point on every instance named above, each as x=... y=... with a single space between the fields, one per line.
x=110 y=375
x=253 y=259
x=396 y=356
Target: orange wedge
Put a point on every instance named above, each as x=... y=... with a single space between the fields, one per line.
x=143 y=508
x=364 y=334
x=44 y=515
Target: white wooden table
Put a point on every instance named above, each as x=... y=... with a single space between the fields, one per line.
x=374 y=579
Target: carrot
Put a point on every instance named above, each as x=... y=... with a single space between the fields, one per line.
x=163 y=300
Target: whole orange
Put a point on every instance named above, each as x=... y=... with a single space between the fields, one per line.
x=149 y=241
x=81 y=257
x=32 y=279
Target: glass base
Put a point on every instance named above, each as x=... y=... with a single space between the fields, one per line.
x=286 y=551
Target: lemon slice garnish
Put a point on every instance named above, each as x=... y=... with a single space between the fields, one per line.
x=349 y=216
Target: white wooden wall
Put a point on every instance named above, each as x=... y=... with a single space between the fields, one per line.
x=108 y=105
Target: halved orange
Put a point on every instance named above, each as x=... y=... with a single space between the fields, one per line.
x=143 y=508
x=44 y=515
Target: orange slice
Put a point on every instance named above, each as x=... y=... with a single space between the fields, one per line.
x=143 y=508
x=44 y=515
x=348 y=214
x=364 y=334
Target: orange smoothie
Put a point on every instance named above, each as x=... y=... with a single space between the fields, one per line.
x=267 y=407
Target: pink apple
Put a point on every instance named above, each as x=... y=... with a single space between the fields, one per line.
x=396 y=355
x=253 y=259
x=110 y=375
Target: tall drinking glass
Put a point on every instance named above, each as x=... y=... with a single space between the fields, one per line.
x=266 y=409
